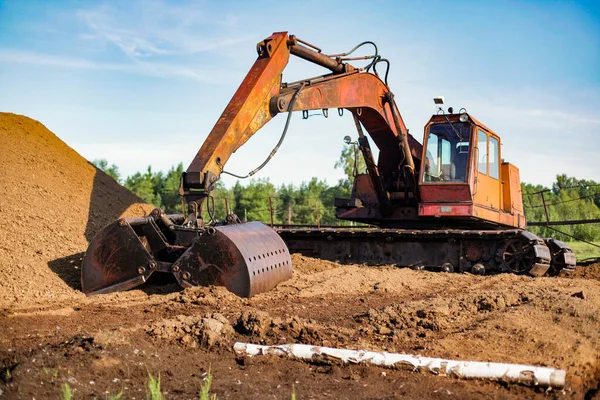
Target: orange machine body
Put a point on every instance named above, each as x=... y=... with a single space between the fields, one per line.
x=487 y=189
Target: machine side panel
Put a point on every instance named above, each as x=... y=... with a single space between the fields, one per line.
x=516 y=197
x=512 y=198
x=515 y=189
x=506 y=177
x=445 y=193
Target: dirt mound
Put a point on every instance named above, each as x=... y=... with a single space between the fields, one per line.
x=210 y=331
x=259 y=326
x=588 y=272
x=211 y=296
x=52 y=202
x=306 y=265
x=437 y=314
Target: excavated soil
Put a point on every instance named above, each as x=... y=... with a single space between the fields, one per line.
x=52 y=201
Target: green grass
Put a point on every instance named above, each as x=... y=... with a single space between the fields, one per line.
x=293 y=393
x=115 y=396
x=153 y=390
x=66 y=392
x=583 y=250
x=205 y=390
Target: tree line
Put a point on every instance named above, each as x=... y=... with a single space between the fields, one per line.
x=312 y=202
x=258 y=199
x=569 y=199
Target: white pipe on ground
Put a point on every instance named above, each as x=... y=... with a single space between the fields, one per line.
x=525 y=374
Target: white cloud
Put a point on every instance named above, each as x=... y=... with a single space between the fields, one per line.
x=159 y=29
x=138 y=67
x=560 y=116
x=157 y=39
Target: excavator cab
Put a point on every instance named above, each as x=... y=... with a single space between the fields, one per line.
x=463 y=178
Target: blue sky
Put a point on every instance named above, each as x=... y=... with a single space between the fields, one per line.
x=143 y=82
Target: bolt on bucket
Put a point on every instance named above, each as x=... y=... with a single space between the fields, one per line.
x=247 y=259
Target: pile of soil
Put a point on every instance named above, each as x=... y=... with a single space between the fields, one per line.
x=588 y=272
x=52 y=202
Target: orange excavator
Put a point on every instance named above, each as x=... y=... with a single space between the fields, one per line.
x=451 y=203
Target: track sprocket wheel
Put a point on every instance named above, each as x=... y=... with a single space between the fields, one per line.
x=559 y=251
x=518 y=256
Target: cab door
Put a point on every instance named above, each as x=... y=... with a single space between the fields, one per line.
x=487 y=170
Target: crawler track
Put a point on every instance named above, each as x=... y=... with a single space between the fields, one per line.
x=480 y=251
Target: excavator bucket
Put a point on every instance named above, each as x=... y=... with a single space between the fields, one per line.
x=246 y=258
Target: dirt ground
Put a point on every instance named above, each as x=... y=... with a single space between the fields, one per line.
x=52 y=201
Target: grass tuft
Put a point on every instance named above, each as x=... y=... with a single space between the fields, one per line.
x=66 y=392
x=153 y=390
x=115 y=396
x=205 y=390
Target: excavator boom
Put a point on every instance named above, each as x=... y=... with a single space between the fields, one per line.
x=262 y=96
x=248 y=258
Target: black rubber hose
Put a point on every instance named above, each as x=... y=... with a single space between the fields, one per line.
x=287 y=124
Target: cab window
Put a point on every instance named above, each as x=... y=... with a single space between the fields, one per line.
x=494 y=162
x=482 y=155
x=447 y=153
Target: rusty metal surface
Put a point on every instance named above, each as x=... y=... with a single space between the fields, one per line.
x=431 y=248
x=562 y=256
x=364 y=94
x=246 y=258
x=445 y=192
x=383 y=198
x=248 y=110
x=115 y=260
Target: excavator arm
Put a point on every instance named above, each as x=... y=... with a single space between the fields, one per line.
x=250 y=258
x=262 y=96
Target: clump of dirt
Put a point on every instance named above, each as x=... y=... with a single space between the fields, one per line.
x=254 y=323
x=588 y=272
x=52 y=202
x=436 y=314
x=211 y=331
x=306 y=265
x=210 y=296
x=261 y=327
